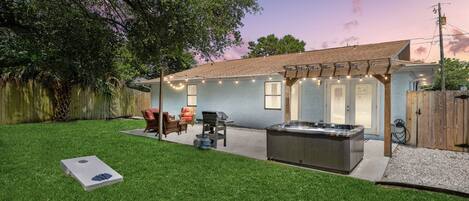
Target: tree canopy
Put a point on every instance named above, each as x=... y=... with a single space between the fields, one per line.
x=457 y=75
x=94 y=42
x=271 y=45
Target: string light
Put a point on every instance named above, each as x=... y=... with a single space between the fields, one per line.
x=270 y=78
x=301 y=81
x=361 y=79
x=220 y=82
x=253 y=80
x=319 y=82
x=284 y=81
x=186 y=80
x=348 y=76
x=203 y=81
x=236 y=82
x=181 y=86
x=338 y=81
x=314 y=79
x=330 y=77
x=386 y=77
x=304 y=78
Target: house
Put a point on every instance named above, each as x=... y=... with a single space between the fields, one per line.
x=336 y=85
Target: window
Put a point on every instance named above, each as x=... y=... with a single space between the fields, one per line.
x=192 y=95
x=273 y=95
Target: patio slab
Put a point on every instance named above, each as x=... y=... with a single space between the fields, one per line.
x=252 y=143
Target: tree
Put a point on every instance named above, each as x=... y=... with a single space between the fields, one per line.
x=57 y=43
x=158 y=30
x=457 y=75
x=94 y=42
x=271 y=45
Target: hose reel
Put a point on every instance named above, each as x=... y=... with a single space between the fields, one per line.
x=399 y=132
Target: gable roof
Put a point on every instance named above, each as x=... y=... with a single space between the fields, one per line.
x=269 y=65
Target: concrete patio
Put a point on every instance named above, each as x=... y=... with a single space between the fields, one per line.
x=252 y=143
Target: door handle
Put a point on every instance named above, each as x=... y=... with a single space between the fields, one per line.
x=347 y=108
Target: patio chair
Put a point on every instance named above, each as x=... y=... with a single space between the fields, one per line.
x=188 y=115
x=150 y=119
x=214 y=122
x=170 y=124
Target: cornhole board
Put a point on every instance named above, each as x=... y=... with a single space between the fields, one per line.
x=84 y=169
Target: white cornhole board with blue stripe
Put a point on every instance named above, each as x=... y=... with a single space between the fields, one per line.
x=91 y=172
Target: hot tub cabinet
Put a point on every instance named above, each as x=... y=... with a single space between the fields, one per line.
x=333 y=147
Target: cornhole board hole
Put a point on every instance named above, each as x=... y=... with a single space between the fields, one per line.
x=91 y=172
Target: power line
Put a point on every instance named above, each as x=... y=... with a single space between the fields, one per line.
x=456 y=27
x=431 y=44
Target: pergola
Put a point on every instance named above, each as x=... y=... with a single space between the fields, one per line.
x=381 y=69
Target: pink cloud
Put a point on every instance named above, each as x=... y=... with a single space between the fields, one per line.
x=353 y=40
x=357 y=6
x=421 y=50
x=235 y=52
x=350 y=25
x=325 y=45
x=459 y=42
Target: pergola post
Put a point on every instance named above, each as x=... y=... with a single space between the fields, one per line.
x=289 y=82
x=387 y=113
x=160 y=105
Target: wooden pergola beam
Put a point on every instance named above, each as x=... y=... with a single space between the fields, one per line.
x=386 y=80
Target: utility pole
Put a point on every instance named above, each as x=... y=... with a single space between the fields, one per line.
x=442 y=22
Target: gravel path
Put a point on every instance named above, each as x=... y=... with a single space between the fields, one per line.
x=428 y=167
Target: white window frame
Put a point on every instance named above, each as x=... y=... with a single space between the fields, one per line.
x=191 y=95
x=276 y=95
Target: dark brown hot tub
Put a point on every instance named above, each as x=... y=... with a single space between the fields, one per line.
x=334 y=147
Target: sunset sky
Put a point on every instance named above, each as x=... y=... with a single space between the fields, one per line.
x=334 y=23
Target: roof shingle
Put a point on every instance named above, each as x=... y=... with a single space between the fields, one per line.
x=275 y=64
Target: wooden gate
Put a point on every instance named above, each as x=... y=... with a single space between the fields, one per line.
x=438 y=120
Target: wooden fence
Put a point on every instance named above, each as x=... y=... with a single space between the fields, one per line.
x=31 y=102
x=438 y=120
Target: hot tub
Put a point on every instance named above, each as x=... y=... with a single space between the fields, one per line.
x=327 y=146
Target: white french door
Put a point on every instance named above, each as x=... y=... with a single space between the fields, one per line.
x=352 y=102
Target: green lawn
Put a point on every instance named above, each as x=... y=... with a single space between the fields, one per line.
x=153 y=170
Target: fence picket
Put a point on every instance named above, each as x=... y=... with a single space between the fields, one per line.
x=31 y=102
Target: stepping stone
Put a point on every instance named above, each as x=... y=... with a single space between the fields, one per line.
x=91 y=172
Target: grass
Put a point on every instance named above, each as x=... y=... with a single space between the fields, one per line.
x=153 y=170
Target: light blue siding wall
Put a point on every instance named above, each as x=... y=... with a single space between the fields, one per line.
x=400 y=84
x=173 y=100
x=243 y=102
